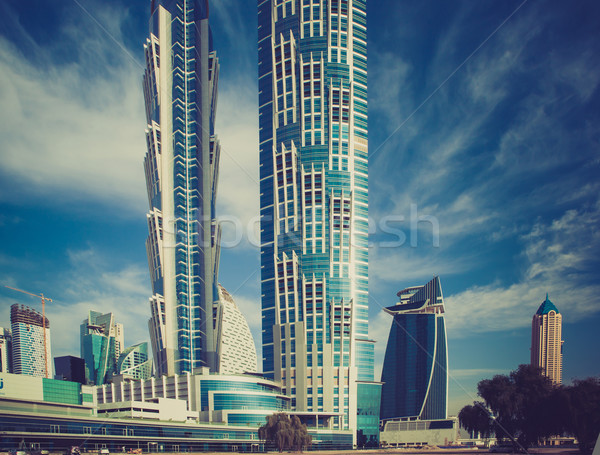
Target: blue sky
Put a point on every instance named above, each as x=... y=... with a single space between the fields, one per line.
x=485 y=155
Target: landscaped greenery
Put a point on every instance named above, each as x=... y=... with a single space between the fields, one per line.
x=525 y=407
x=285 y=433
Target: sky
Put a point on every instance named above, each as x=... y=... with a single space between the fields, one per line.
x=484 y=139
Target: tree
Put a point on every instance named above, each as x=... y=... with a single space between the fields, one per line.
x=285 y=433
x=583 y=414
x=521 y=404
x=476 y=419
x=527 y=407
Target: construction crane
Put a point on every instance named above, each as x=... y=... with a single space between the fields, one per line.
x=44 y=300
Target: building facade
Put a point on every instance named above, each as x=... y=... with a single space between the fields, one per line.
x=415 y=366
x=70 y=368
x=101 y=344
x=135 y=363
x=31 y=353
x=312 y=68
x=419 y=433
x=5 y=350
x=546 y=340
x=234 y=342
x=181 y=165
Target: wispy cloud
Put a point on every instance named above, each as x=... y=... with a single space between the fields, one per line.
x=72 y=127
x=88 y=281
x=487 y=151
x=238 y=192
x=561 y=260
x=475 y=372
x=92 y=283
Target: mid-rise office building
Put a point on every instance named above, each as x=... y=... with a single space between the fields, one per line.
x=31 y=353
x=5 y=350
x=546 y=340
x=70 y=368
x=312 y=68
x=134 y=362
x=415 y=366
x=181 y=164
x=101 y=343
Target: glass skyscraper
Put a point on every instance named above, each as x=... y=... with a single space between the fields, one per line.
x=312 y=69
x=101 y=343
x=181 y=164
x=415 y=367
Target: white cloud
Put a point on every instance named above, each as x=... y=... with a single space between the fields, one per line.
x=379 y=330
x=405 y=264
x=73 y=130
x=238 y=192
x=561 y=260
x=92 y=283
x=475 y=372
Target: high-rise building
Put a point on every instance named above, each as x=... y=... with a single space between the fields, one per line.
x=101 y=343
x=70 y=368
x=181 y=164
x=28 y=353
x=135 y=363
x=234 y=342
x=312 y=69
x=546 y=340
x=415 y=366
x=5 y=350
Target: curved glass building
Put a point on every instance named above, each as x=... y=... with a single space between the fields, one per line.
x=312 y=69
x=101 y=343
x=415 y=367
x=235 y=344
x=134 y=362
x=181 y=165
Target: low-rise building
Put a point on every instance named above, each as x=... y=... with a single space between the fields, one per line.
x=419 y=433
x=165 y=409
x=48 y=414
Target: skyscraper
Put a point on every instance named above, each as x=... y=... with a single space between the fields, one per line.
x=414 y=375
x=5 y=350
x=101 y=343
x=27 y=328
x=181 y=164
x=546 y=340
x=312 y=69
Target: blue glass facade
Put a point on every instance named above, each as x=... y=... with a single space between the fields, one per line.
x=369 y=398
x=312 y=71
x=99 y=346
x=180 y=85
x=228 y=394
x=414 y=376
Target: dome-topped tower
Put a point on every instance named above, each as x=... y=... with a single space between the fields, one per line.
x=546 y=340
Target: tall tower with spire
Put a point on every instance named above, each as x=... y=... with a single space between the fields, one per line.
x=546 y=340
